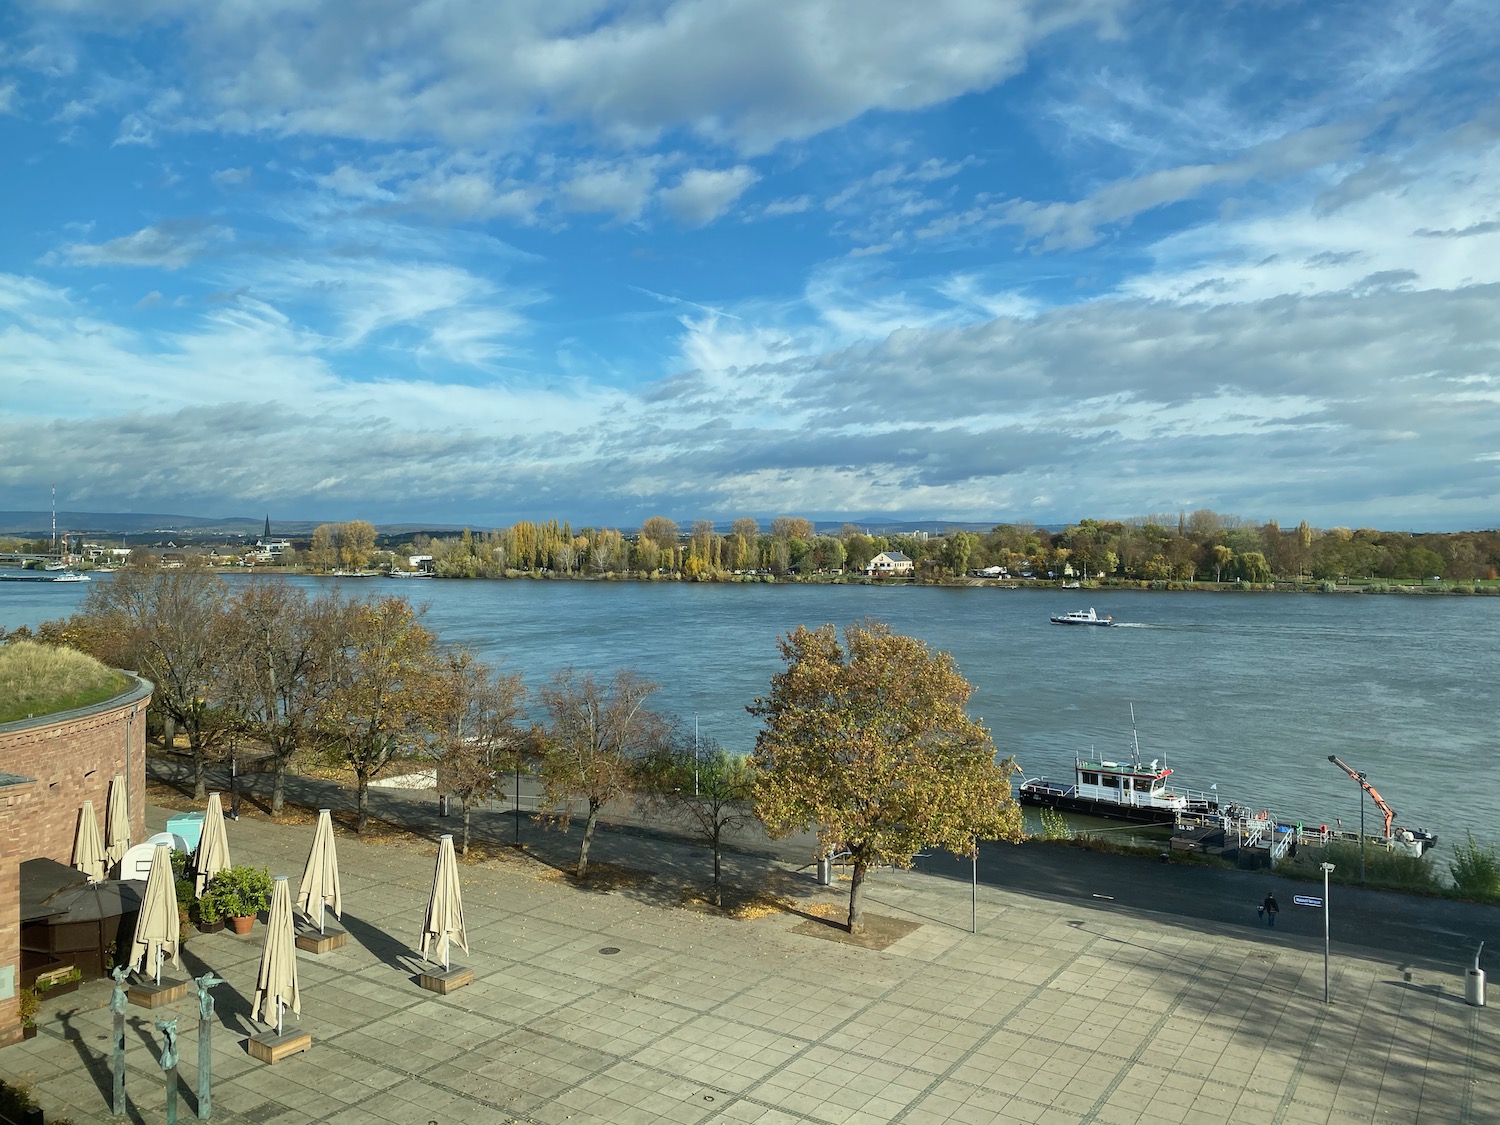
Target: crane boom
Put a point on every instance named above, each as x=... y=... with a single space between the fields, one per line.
x=1385 y=809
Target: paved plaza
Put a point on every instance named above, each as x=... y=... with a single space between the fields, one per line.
x=625 y=1006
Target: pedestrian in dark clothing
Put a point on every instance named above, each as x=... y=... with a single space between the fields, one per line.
x=1270 y=909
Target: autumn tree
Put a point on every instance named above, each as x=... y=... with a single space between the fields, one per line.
x=661 y=531
x=479 y=733
x=169 y=625
x=594 y=734
x=706 y=788
x=385 y=694
x=869 y=744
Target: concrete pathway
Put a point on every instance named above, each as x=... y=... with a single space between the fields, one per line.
x=625 y=1007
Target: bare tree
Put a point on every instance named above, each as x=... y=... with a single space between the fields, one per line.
x=282 y=646
x=478 y=731
x=705 y=787
x=170 y=626
x=594 y=734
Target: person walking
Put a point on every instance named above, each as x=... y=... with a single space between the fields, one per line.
x=1269 y=908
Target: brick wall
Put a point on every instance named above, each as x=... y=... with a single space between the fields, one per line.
x=15 y=798
x=72 y=758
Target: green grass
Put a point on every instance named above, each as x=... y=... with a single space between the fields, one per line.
x=37 y=679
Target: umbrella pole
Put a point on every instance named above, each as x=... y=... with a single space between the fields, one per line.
x=322 y=909
x=279 y=1006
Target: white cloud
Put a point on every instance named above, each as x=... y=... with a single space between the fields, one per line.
x=9 y=97
x=172 y=245
x=738 y=71
x=232 y=177
x=702 y=195
x=621 y=189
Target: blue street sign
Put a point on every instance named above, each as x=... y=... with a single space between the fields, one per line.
x=1307 y=900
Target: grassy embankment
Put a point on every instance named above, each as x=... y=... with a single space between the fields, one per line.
x=37 y=679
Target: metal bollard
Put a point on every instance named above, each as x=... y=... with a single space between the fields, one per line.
x=1474 y=982
x=825 y=870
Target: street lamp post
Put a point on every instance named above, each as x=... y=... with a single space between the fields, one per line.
x=1361 y=780
x=1327 y=867
x=695 y=753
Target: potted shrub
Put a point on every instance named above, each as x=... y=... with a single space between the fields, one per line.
x=237 y=894
x=29 y=1004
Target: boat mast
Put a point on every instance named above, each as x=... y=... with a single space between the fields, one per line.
x=1135 y=737
x=54 y=519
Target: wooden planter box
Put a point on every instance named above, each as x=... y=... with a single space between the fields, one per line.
x=58 y=990
x=210 y=927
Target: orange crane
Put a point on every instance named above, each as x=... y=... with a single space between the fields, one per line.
x=1390 y=813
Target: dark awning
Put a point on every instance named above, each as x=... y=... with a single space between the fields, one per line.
x=43 y=883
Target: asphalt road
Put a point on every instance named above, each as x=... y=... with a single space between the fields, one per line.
x=1440 y=932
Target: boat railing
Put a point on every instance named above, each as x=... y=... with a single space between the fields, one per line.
x=1050 y=788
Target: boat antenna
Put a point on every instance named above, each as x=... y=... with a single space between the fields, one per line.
x=1136 y=738
x=54 y=519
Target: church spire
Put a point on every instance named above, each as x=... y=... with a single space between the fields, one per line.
x=267 y=535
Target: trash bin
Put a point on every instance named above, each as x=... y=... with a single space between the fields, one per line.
x=1474 y=987
x=825 y=871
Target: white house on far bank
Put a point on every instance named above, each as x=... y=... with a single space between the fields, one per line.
x=890 y=563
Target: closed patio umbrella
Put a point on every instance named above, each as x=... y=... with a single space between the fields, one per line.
x=88 y=848
x=276 y=984
x=320 y=878
x=156 y=927
x=116 y=822
x=213 y=846
x=445 y=909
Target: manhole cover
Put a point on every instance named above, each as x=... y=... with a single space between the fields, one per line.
x=608 y=950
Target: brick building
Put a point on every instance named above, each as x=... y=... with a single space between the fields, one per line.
x=50 y=765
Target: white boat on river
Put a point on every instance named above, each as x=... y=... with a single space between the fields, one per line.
x=1082 y=617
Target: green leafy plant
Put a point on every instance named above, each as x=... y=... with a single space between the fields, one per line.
x=236 y=892
x=1475 y=869
x=48 y=983
x=1055 y=826
x=30 y=1002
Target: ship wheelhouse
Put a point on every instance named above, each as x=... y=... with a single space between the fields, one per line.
x=1127 y=783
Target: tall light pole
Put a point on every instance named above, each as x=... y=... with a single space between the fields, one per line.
x=1327 y=867
x=695 y=753
x=1361 y=780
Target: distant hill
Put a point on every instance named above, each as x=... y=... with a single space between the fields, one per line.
x=38 y=525
x=35 y=525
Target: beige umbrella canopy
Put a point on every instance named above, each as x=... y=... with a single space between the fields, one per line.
x=117 y=822
x=445 y=910
x=319 y=888
x=156 y=927
x=276 y=984
x=213 y=846
x=88 y=848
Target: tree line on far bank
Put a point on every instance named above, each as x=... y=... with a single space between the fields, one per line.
x=865 y=740
x=1201 y=546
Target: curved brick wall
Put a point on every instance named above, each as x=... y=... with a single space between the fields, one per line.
x=49 y=766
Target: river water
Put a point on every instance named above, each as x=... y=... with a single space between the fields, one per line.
x=1250 y=692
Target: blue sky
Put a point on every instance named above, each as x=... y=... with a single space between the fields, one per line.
x=978 y=260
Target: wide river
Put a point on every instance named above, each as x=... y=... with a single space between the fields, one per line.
x=1250 y=692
